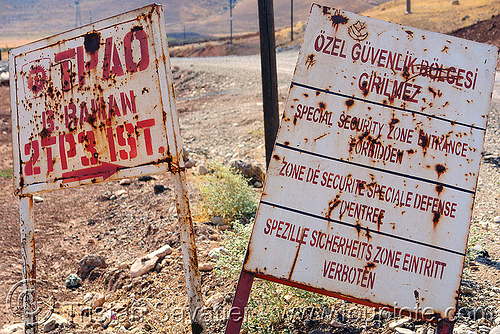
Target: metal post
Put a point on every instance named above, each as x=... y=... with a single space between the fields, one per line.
x=237 y=312
x=445 y=327
x=188 y=247
x=231 y=21
x=291 y=20
x=26 y=218
x=269 y=75
x=408 y=7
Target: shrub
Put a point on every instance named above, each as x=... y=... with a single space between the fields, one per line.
x=226 y=193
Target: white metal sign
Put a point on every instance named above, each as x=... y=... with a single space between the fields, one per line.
x=370 y=190
x=94 y=104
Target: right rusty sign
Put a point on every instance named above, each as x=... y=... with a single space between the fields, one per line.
x=370 y=191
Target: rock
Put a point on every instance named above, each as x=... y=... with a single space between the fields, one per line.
x=455 y=2
x=88 y=297
x=496 y=322
x=215 y=299
x=73 y=281
x=147 y=263
x=465 y=290
x=316 y=331
x=146 y=178
x=248 y=170
x=107 y=318
x=190 y=164
x=402 y=330
x=257 y=184
x=37 y=199
x=88 y=263
x=120 y=192
x=206 y=266
x=162 y=252
x=463 y=329
x=217 y=220
x=496 y=220
x=98 y=300
x=215 y=253
x=421 y=330
x=399 y=323
x=159 y=188
x=495 y=289
x=49 y=325
x=202 y=170
x=125 y=182
x=495 y=330
x=13 y=329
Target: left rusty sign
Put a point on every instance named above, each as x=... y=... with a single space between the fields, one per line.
x=94 y=104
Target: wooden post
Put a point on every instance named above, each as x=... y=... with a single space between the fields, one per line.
x=269 y=75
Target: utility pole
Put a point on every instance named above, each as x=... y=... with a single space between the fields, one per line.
x=231 y=21
x=269 y=75
x=408 y=7
x=291 y=20
x=78 y=16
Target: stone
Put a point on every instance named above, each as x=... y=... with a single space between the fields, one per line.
x=148 y=262
x=55 y=321
x=120 y=192
x=496 y=322
x=495 y=289
x=463 y=329
x=465 y=290
x=88 y=263
x=190 y=164
x=146 y=178
x=142 y=265
x=257 y=184
x=17 y=328
x=88 y=297
x=495 y=330
x=37 y=199
x=73 y=281
x=159 y=188
x=98 y=300
x=455 y=2
x=125 y=182
x=421 y=330
x=206 y=266
x=215 y=253
x=402 y=330
x=162 y=252
x=496 y=220
x=107 y=318
x=252 y=172
x=202 y=170
x=214 y=299
x=217 y=220
x=399 y=322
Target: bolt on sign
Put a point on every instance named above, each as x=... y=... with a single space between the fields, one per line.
x=93 y=104
x=370 y=191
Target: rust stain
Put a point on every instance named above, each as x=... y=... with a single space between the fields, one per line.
x=440 y=169
x=305 y=95
x=276 y=157
x=332 y=205
x=310 y=61
x=92 y=41
x=322 y=105
x=439 y=189
x=287 y=143
x=349 y=103
x=370 y=265
x=436 y=218
x=338 y=19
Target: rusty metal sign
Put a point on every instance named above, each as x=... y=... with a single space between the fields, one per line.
x=94 y=104
x=370 y=190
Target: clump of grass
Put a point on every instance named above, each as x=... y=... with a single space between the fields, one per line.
x=270 y=304
x=8 y=172
x=226 y=193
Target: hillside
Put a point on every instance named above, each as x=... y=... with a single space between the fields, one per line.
x=25 y=20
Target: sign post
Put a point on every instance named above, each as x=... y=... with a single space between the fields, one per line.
x=371 y=184
x=96 y=104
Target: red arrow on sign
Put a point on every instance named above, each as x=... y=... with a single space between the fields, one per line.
x=105 y=170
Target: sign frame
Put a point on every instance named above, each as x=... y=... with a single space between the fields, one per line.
x=257 y=264
x=168 y=157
